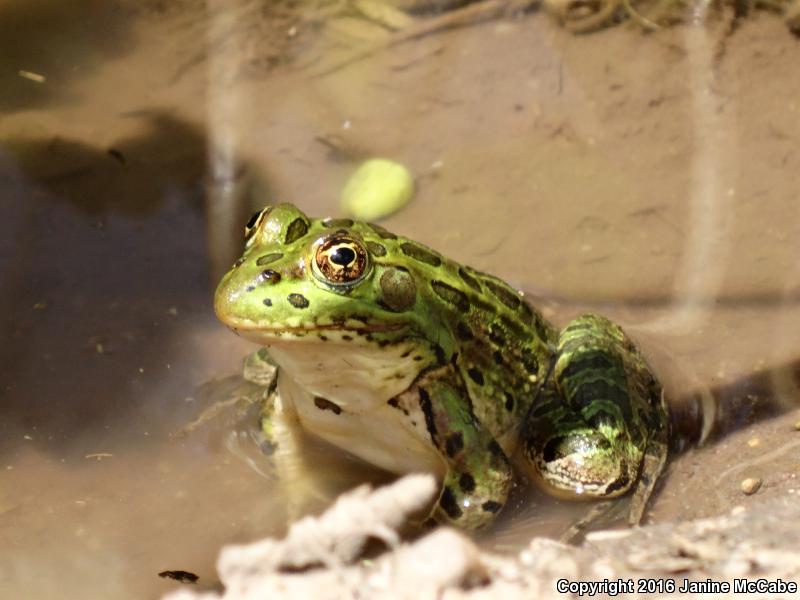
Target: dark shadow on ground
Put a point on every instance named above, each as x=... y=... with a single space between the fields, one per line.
x=103 y=265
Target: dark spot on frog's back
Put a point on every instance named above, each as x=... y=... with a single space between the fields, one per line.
x=451 y=295
x=325 y=404
x=513 y=325
x=530 y=361
x=509 y=401
x=386 y=235
x=503 y=293
x=526 y=310
x=464 y=332
x=476 y=375
x=267 y=302
x=297 y=229
x=268 y=258
x=269 y=276
x=491 y=506
x=398 y=290
x=454 y=444
x=469 y=279
x=333 y=223
x=376 y=249
x=427 y=409
x=420 y=253
x=467 y=483
x=297 y=300
x=449 y=504
x=496 y=335
x=495 y=449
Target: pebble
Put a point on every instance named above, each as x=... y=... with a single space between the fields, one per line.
x=750 y=485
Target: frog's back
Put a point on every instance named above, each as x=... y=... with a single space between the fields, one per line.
x=499 y=343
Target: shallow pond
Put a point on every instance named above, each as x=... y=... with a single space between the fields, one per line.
x=649 y=177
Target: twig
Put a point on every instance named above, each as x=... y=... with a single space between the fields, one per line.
x=463 y=17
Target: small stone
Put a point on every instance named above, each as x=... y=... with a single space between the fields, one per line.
x=377 y=189
x=750 y=485
x=796 y=425
x=754 y=442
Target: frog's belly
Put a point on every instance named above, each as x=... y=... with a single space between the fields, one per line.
x=379 y=434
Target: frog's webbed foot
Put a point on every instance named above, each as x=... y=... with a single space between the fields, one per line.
x=479 y=476
x=601 y=428
x=232 y=399
x=600 y=514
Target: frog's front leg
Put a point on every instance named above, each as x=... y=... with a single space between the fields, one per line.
x=600 y=428
x=282 y=435
x=478 y=475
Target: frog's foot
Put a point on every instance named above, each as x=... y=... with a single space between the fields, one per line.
x=601 y=428
x=655 y=458
x=599 y=515
x=236 y=397
x=479 y=476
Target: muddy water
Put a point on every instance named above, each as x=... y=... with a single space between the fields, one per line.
x=649 y=177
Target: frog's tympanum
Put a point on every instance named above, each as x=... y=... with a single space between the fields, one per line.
x=416 y=363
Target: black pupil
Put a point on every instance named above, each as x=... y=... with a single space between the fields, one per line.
x=342 y=256
x=252 y=222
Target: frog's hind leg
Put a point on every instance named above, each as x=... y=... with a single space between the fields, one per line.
x=600 y=428
x=478 y=475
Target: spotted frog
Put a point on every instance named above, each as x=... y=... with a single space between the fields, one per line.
x=414 y=362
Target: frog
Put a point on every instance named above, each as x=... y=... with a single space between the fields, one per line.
x=414 y=362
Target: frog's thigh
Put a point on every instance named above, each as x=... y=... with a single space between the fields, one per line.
x=478 y=475
x=602 y=421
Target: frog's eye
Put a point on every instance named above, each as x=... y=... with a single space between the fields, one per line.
x=253 y=223
x=340 y=260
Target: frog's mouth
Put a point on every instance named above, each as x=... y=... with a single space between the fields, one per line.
x=346 y=331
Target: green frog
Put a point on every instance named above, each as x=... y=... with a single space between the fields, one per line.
x=416 y=363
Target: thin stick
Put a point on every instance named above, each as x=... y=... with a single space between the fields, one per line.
x=463 y=17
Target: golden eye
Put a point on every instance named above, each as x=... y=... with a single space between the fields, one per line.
x=253 y=223
x=340 y=260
